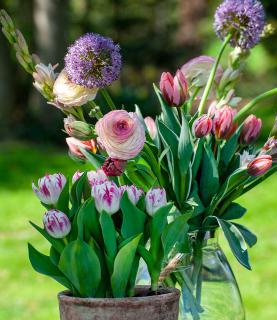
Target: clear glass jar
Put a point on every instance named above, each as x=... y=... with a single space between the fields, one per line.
x=207 y=283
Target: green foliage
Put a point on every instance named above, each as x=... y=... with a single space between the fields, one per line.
x=81 y=266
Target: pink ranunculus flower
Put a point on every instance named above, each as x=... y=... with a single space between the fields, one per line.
x=96 y=177
x=49 y=188
x=74 y=145
x=202 y=126
x=121 y=133
x=151 y=127
x=76 y=176
x=107 y=197
x=155 y=199
x=174 y=90
x=250 y=130
x=56 y=223
x=223 y=126
x=134 y=194
x=259 y=165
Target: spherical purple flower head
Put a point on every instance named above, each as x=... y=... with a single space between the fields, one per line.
x=93 y=61
x=245 y=18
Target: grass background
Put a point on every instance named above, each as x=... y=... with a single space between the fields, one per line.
x=28 y=295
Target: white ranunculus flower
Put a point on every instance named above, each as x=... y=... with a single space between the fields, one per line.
x=70 y=94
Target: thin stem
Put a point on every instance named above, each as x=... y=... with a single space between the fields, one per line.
x=193 y=96
x=212 y=75
x=108 y=98
x=252 y=103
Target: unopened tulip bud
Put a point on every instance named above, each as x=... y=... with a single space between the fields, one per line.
x=77 y=175
x=114 y=167
x=223 y=126
x=134 y=194
x=151 y=127
x=96 y=177
x=202 y=126
x=107 y=197
x=78 y=129
x=174 y=90
x=155 y=199
x=250 y=130
x=75 y=144
x=260 y=165
x=50 y=188
x=56 y=223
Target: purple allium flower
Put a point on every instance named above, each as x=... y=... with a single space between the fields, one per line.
x=246 y=18
x=93 y=61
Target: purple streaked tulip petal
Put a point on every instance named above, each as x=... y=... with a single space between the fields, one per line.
x=49 y=188
x=56 y=223
x=155 y=199
x=134 y=194
x=107 y=197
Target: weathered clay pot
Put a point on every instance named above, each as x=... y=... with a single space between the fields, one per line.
x=163 y=306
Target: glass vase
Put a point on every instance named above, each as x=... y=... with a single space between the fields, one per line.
x=206 y=281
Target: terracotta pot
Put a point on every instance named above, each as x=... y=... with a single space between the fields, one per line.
x=163 y=306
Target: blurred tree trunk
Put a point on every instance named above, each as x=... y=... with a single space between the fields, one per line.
x=191 y=13
x=51 y=37
x=6 y=94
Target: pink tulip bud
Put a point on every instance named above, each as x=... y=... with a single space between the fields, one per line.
x=223 y=126
x=96 y=177
x=259 y=165
x=155 y=199
x=75 y=144
x=56 y=223
x=76 y=176
x=114 y=167
x=133 y=193
x=151 y=127
x=202 y=126
x=250 y=130
x=174 y=90
x=50 y=188
x=107 y=197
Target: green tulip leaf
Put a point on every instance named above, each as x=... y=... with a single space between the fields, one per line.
x=81 y=266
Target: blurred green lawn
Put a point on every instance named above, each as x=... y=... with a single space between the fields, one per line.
x=28 y=295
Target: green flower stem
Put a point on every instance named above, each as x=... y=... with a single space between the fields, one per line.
x=212 y=75
x=108 y=98
x=252 y=103
x=192 y=98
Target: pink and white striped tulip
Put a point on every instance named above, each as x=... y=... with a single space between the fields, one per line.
x=96 y=177
x=56 y=223
x=202 y=126
x=250 y=130
x=155 y=199
x=107 y=197
x=49 y=188
x=260 y=165
x=76 y=176
x=134 y=194
x=151 y=127
x=121 y=134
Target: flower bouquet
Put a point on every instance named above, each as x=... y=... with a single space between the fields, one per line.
x=159 y=189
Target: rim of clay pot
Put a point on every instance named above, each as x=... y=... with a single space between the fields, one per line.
x=164 y=294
